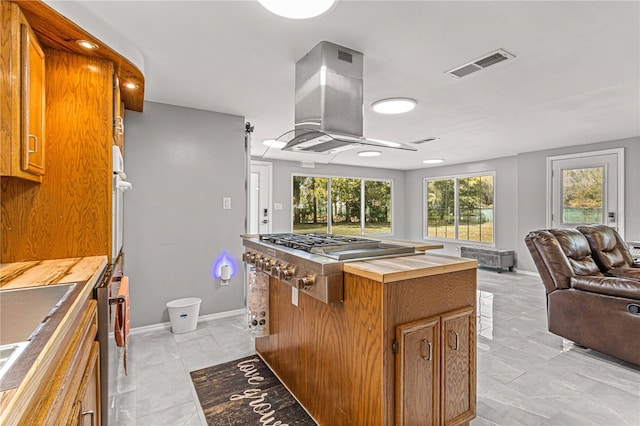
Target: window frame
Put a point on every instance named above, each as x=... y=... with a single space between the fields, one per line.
x=391 y=181
x=456 y=186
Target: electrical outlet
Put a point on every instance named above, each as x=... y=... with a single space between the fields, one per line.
x=277 y=206
x=294 y=296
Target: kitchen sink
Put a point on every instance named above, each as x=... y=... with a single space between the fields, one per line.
x=23 y=313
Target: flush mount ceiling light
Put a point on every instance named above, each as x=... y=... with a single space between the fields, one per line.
x=274 y=143
x=87 y=44
x=369 y=153
x=433 y=161
x=393 y=105
x=298 y=9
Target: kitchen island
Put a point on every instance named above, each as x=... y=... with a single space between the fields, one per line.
x=59 y=378
x=400 y=348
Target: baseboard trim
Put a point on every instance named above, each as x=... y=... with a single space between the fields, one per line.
x=202 y=318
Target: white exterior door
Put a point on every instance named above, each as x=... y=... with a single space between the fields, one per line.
x=587 y=188
x=260 y=198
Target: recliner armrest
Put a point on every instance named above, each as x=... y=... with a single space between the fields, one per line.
x=609 y=286
x=630 y=272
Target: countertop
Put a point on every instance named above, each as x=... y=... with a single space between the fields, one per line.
x=40 y=273
x=400 y=268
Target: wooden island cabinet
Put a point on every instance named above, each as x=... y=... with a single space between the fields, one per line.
x=399 y=349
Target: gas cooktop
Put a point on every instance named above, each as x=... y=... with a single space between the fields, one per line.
x=310 y=241
x=312 y=262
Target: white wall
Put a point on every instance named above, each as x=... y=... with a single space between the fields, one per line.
x=282 y=182
x=532 y=196
x=521 y=198
x=181 y=163
x=505 y=186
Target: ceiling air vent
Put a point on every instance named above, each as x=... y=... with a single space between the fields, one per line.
x=480 y=63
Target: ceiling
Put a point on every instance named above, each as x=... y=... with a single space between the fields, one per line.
x=575 y=78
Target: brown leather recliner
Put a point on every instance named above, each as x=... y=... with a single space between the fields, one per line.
x=610 y=252
x=583 y=304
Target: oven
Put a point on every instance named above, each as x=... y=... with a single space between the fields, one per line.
x=118 y=188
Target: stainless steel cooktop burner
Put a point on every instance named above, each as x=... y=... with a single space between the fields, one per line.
x=307 y=242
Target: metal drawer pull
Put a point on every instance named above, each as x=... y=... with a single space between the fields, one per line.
x=90 y=413
x=119 y=126
x=35 y=149
x=457 y=345
x=427 y=357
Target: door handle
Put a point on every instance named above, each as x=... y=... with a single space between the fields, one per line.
x=265 y=221
x=90 y=413
x=429 y=352
x=35 y=145
x=456 y=346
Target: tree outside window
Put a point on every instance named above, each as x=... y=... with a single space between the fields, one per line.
x=377 y=207
x=582 y=195
x=310 y=204
x=357 y=206
x=460 y=208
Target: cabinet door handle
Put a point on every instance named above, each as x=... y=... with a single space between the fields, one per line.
x=35 y=145
x=90 y=413
x=457 y=337
x=427 y=344
x=119 y=126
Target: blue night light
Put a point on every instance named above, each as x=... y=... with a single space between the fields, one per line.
x=224 y=268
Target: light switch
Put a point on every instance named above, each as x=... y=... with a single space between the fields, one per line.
x=277 y=206
x=226 y=203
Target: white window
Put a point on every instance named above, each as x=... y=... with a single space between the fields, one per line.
x=340 y=205
x=460 y=208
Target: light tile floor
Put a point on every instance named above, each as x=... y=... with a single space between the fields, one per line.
x=526 y=375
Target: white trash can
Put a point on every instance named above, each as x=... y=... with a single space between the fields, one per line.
x=183 y=314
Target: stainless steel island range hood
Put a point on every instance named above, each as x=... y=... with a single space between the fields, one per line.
x=329 y=103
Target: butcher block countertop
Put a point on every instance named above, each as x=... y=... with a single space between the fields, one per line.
x=387 y=270
x=54 y=271
x=16 y=275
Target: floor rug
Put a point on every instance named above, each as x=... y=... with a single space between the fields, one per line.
x=245 y=392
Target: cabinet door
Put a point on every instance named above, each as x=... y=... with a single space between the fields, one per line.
x=89 y=393
x=32 y=69
x=418 y=372
x=458 y=399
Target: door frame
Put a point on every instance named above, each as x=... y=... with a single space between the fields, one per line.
x=619 y=152
x=269 y=167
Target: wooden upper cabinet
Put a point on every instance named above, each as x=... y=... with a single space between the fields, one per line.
x=33 y=100
x=22 y=93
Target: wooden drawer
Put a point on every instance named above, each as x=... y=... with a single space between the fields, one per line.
x=60 y=393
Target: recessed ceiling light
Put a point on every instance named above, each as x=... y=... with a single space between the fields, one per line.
x=131 y=85
x=274 y=143
x=433 y=161
x=393 y=105
x=298 y=9
x=87 y=44
x=369 y=153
